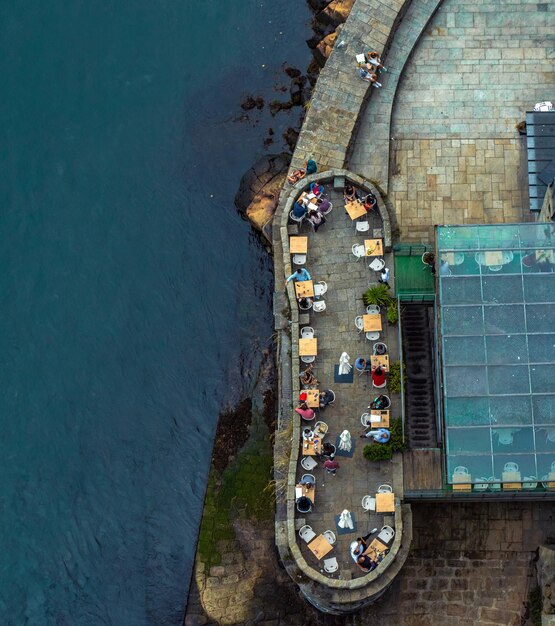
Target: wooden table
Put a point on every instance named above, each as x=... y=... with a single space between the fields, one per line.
x=306 y=197
x=371 y=322
x=493 y=257
x=384 y=421
x=462 y=482
x=385 y=503
x=373 y=549
x=381 y=360
x=355 y=209
x=305 y=490
x=373 y=247
x=308 y=347
x=298 y=245
x=304 y=289
x=545 y=255
x=320 y=547
x=511 y=480
x=312 y=450
x=312 y=397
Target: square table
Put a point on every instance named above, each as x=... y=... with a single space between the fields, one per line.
x=383 y=422
x=493 y=257
x=304 y=289
x=308 y=447
x=312 y=397
x=372 y=550
x=320 y=547
x=381 y=360
x=371 y=322
x=298 y=245
x=308 y=347
x=355 y=209
x=385 y=503
x=306 y=490
x=312 y=206
x=462 y=482
x=511 y=480
x=373 y=247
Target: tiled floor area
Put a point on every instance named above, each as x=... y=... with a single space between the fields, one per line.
x=330 y=258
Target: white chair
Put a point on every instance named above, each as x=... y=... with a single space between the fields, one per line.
x=494 y=483
x=304 y=505
x=299 y=220
x=386 y=534
x=379 y=348
x=460 y=469
x=307 y=332
x=308 y=463
x=372 y=309
x=504 y=436
x=358 y=250
x=372 y=336
x=530 y=482
x=330 y=565
x=319 y=307
x=308 y=479
x=495 y=268
x=459 y=258
x=329 y=209
x=359 y=323
x=510 y=467
x=385 y=489
x=332 y=392
x=321 y=427
x=369 y=503
x=320 y=288
x=365 y=419
x=362 y=227
x=306 y=533
x=384 y=384
x=308 y=359
x=481 y=486
x=377 y=265
x=299 y=259
x=330 y=536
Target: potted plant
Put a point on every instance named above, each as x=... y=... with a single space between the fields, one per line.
x=378 y=295
x=392 y=313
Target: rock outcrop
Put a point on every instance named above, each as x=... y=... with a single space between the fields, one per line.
x=259 y=191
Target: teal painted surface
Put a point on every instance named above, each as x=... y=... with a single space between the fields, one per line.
x=134 y=300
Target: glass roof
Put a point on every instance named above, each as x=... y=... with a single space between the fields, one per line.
x=497 y=333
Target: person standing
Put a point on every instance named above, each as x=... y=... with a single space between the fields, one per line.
x=331 y=466
x=384 y=276
x=299 y=275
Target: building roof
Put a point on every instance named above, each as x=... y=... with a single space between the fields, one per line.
x=497 y=342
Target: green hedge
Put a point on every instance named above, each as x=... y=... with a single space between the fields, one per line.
x=394 y=377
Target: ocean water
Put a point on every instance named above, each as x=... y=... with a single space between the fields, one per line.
x=134 y=301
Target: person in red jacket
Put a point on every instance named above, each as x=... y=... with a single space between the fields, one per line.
x=378 y=376
x=331 y=466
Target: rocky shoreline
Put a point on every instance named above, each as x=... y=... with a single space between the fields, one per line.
x=260 y=187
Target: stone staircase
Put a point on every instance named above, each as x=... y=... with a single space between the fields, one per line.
x=417 y=322
x=368 y=155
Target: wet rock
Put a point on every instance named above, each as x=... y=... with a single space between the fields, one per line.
x=251 y=102
x=291 y=135
x=259 y=102
x=276 y=106
x=295 y=91
x=292 y=72
x=259 y=190
x=318 y=5
x=312 y=72
x=336 y=12
x=324 y=48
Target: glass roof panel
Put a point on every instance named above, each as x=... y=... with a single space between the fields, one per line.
x=496 y=324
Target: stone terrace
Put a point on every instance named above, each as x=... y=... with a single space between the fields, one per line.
x=330 y=259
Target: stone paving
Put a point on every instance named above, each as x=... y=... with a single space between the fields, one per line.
x=456 y=155
x=330 y=258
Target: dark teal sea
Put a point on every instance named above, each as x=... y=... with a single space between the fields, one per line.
x=134 y=301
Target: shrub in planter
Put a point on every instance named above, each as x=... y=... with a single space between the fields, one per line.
x=394 y=377
x=392 y=313
x=378 y=452
x=378 y=295
x=397 y=443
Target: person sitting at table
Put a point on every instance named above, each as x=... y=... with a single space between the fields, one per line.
x=304 y=303
x=299 y=210
x=305 y=411
x=316 y=219
x=366 y=564
x=304 y=504
x=309 y=168
x=326 y=397
x=323 y=204
x=379 y=403
x=307 y=377
x=370 y=77
x=369 y=202
x=362 y=364
x=382 y=435
x=328 y=449
x=361 y=544
x=316 y=189
x=378 y=376
x=299 y=275
x=350 y=193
